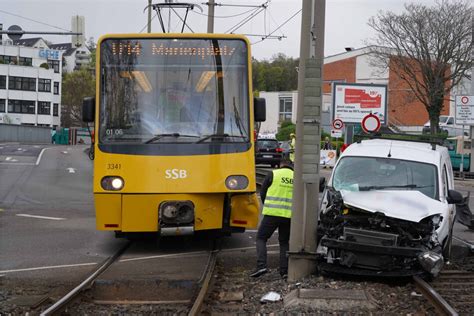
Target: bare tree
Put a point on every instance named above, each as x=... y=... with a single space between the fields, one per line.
x=428 y=47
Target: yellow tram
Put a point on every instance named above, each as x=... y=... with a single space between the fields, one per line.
x=174 y=123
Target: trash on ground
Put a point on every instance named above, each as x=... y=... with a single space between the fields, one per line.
x=270 y=297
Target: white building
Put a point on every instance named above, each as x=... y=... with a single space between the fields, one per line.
x=281 y=106
x=73 y=57
x=30 y=83
x=75 y=54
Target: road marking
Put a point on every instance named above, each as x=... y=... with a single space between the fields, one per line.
x=8 y=158
x=1 y=209
x=64 y=152
x=71 y=170
x=18 y=163
x=131 y=259
x=50 y=267
x=40 y=155
x=41 y=217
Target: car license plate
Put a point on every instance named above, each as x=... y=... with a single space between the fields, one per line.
x=267 y=156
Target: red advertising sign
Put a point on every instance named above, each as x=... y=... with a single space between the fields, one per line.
x=351 y=102
x=365 y=98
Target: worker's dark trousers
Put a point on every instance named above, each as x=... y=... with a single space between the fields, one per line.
x=268 y=225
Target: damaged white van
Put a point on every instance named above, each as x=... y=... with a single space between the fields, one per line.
x=388 y=209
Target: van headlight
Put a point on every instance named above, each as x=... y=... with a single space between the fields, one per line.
x=236 y=182
x=431 y=261
x=112 y=183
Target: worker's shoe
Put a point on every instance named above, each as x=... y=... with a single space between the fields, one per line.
x=284 y=274
x=258 y=272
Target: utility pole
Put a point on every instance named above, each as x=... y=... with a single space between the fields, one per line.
x=471 y=128
x=149 y=17
x=308 y=136
x=210 y=16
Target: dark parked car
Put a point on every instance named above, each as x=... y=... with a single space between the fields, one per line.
x=268 y=152
x=286 y=148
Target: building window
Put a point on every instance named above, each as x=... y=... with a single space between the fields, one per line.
x=25 y=61
x=21 y=106
x=54 y=64
x=44 y=107
x=2 y=105
x=3 y=82
x=56 y=87
x=55 y=109
x=21 y=83
x=286 y=104
x=8 y=60
x=44 y=85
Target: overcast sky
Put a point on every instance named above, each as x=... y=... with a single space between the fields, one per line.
x=346 y=20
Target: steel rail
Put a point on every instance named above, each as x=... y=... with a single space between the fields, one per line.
x=78 y=289
x=206 y=280
x=434 y=298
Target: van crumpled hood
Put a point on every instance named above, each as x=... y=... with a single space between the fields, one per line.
x=412 y=206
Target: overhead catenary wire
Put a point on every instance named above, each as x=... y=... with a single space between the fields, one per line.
x=225 y=16
x=36 y=21
x=245 y=21
x=147 y=23
x=239 y=5
x=271 y=17
x=279 y=27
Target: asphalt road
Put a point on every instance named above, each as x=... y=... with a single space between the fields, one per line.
x=47 y=223
x=47 y=215
x=47 y=219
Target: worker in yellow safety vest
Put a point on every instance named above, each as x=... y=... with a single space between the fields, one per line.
x=276 y=194
x=292 y=147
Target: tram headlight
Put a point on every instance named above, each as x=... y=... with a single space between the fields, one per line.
x=170 y=211
x=236 y=182
x=112 y=183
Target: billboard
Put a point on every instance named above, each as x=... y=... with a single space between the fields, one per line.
x=351 y=102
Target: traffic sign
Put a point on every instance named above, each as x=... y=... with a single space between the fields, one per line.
x=370 y=123
x=336 y=133
x=337 y=124
x=464 y=105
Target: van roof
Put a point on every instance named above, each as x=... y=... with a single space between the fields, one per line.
x=403 y=150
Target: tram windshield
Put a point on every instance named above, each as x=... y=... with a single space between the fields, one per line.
x=174 y=90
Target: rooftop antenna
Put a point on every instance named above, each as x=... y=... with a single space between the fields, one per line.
x=158 y=7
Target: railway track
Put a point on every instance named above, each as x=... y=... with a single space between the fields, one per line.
x=452 y=292
x=79 y=300
x=66 y=299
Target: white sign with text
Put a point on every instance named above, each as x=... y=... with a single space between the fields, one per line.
x=464 y=109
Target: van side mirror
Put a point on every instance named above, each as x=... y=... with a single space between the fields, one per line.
x=322 y=184
x=454 y=197
x=88 y=109
x=259 y=109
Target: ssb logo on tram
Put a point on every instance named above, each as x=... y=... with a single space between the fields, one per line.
x=176 y=174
